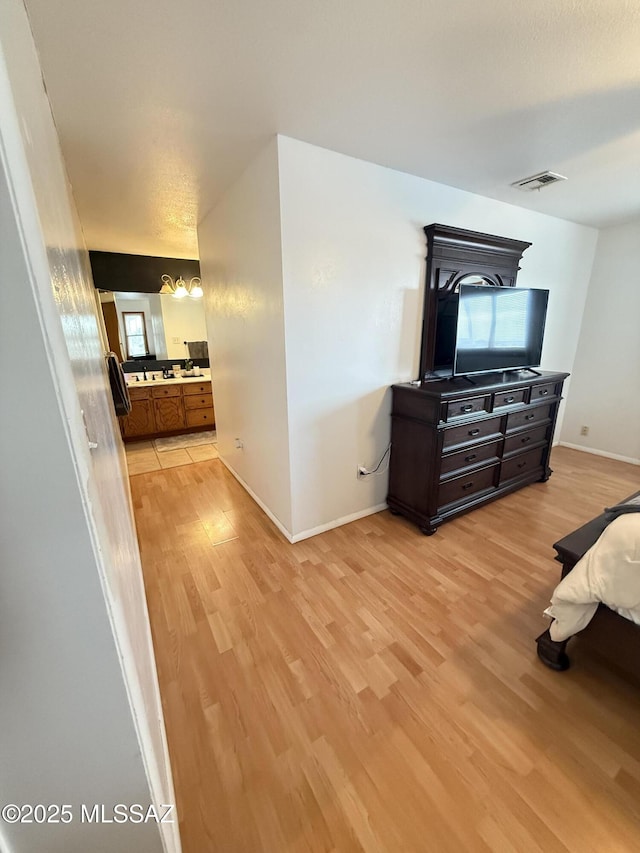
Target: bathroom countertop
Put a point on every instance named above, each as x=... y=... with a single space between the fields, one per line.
x=180 y=380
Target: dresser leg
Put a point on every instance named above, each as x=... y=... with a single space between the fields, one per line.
x=552 y=652
x=428 y=531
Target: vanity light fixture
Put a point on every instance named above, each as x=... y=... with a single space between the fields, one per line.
x=179 y=288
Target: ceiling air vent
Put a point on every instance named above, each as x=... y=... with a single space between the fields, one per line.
x=536 y=182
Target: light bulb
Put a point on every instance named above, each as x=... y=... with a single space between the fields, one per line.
x=181 y=289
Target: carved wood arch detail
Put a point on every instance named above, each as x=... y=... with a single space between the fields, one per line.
x=452 y=284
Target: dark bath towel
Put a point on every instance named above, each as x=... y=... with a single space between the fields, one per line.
x=119 y=390
x=198 y=349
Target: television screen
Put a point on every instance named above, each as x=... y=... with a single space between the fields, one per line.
x=499 y=328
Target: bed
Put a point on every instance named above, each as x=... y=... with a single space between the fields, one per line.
x=600 y=578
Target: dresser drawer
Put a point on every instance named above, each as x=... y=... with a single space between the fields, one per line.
x=201 y=401
x=523 y=463
x=472 y=456
x=190 y=388
x=199 y=417
x=522 y=440
x=461 y=488
x=458 y=408
x=528 y=417
x=509 y=398
x=539 y=392
x=471 y=432
x=139 y=393
x=166 y=391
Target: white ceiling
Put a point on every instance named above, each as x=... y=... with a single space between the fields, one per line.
x=161 y=104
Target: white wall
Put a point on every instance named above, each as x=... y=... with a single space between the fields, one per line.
x=157 y=324
x=80 y=718
x=605 y=388
x=240 y=259
x=67 y=733
x=183 y=320
x=353 y=267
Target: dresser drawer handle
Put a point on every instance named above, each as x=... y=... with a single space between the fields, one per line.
x=529 y=417
x=543 y=392
x=474 y=432
x=525 y=439
x=468 y=408
x=467 y=486
x=521 y=464
x=471 y=457
x=509 y=399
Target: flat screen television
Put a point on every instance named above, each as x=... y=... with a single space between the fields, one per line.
x=489 y=329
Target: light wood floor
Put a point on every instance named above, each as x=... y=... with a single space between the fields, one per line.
x=375 y=689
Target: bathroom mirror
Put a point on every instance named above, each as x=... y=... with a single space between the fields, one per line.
x=150 y=327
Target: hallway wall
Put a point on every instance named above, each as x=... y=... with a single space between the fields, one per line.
x=82 y=722
x=240 y=258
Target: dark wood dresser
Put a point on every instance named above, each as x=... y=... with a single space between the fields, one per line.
x=456 y=446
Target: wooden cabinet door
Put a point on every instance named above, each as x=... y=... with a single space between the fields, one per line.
x=140 y=421
x=169 y=414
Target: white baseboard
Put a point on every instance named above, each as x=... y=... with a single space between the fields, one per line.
x=312 y=531
x=287 y=535
x=604 y=453
x=338 y=522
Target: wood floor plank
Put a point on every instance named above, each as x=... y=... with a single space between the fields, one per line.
x=372 y=689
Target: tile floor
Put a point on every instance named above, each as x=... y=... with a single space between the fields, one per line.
x=143 y=458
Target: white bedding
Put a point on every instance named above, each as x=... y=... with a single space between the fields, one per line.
x=608 y=572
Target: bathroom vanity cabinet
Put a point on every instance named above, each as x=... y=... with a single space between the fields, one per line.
x=168 y=407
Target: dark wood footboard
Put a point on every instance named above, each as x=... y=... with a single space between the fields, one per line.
x=569 y=550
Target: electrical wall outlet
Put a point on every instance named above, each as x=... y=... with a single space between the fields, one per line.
x=239 y=444
x=584 y=430
x=361 y=472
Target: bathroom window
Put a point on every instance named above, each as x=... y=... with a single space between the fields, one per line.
x=135 y=332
